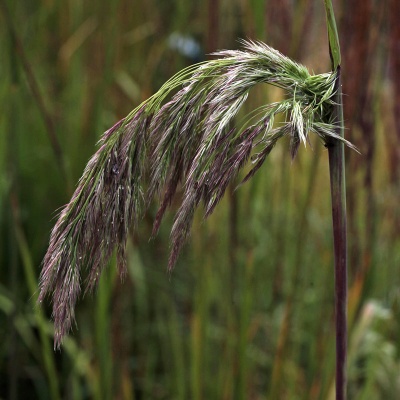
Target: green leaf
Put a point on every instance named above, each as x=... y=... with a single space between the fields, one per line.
x=333 y=36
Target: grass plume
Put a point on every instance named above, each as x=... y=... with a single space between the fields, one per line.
x=182 y=135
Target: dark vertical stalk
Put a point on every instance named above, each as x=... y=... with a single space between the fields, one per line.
x=339 y=219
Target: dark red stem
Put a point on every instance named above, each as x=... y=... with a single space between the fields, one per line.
x=338 y=192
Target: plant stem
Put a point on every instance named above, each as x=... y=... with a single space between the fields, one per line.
x=339 y=219
x=338 y=193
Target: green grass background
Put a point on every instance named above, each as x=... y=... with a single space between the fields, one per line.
x=248 y=311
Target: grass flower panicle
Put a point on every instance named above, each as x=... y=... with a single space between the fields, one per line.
x=182 y=135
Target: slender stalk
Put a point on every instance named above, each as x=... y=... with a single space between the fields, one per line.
x=339 y=219
x=338 y=193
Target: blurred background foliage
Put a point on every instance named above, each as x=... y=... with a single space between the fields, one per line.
x=248 y=311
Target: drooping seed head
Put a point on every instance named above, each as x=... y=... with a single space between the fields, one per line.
x=190 y=140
